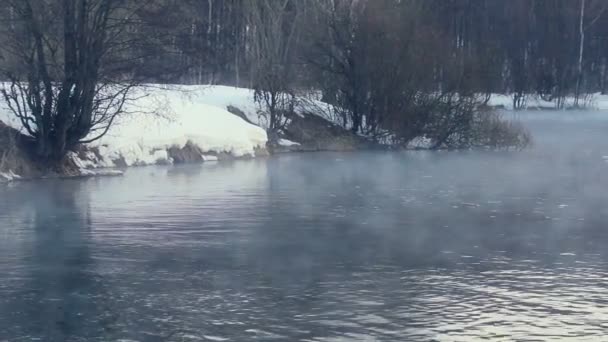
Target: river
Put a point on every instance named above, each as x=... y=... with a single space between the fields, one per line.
x=402 y=246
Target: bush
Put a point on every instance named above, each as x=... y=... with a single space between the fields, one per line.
x=482 y=128
x=7 y=147
x=452 y=121
x=490 y=130
x=14 y=157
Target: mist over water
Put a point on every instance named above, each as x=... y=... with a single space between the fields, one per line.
x=446 y=246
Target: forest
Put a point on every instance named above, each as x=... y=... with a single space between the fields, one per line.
x=397 y=68
x=548 y=47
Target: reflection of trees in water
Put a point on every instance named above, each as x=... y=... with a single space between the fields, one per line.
x=61 y=293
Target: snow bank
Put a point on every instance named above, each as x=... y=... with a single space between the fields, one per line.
x=420 y=143
x=174 y=117
x=594 y=101
x=287 y=143
x=224 y=96
x=164 y=117
x=600 y=101
x=90 y=161
x=8 y=176
x=243 y=99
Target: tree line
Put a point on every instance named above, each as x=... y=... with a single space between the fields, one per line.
x=552 y=48
x=390 y=67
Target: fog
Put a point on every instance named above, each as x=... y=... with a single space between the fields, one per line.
x=387 y=246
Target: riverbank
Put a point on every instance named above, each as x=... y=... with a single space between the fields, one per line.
x=596 y=101
x=164 y=125
x=170 y=124
x=180 y=124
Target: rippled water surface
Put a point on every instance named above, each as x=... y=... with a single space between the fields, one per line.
x=411 y=246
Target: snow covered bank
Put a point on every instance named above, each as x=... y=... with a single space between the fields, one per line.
x=172 y=118
x=184 y=117
x=176 y=124
x=243 y=99
x=287 y=143
x=8 y=176
x=594 y=101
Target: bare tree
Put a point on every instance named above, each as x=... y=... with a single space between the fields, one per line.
x=70 y=83
x=338 y=56
x=274 y=33
x=579 y=74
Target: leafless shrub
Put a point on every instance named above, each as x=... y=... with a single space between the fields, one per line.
x=8 y=149
x=491 y=130
x=274 y=32
x=459 y=122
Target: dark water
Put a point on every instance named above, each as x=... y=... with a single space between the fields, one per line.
x=320 y=247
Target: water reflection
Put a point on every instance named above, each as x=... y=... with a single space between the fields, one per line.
x=55 y=271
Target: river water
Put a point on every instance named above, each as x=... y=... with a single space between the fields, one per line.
x=411 y=246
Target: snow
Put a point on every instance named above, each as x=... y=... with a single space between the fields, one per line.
x=163 y=117
x=501 y=100
x=224 y=96
x=90 y=161
x=420 y=143
x=185 y=117
x=208 y=158
x=173 y=116
x=287 y=143
x=8 y=176
x=214 y=338
x=243 y=99
x=600 y=101
x=97 y=173
x=595 y=101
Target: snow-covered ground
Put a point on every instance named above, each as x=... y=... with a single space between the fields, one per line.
x=243 y=99
x=8 y=176
x=224 y=96
x=180 y=116
x=594 y=101
x=287 y=143
x=173 y=117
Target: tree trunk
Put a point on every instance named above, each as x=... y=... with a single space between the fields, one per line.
x=237 y=51
x=603 y=77
x=579 y=76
